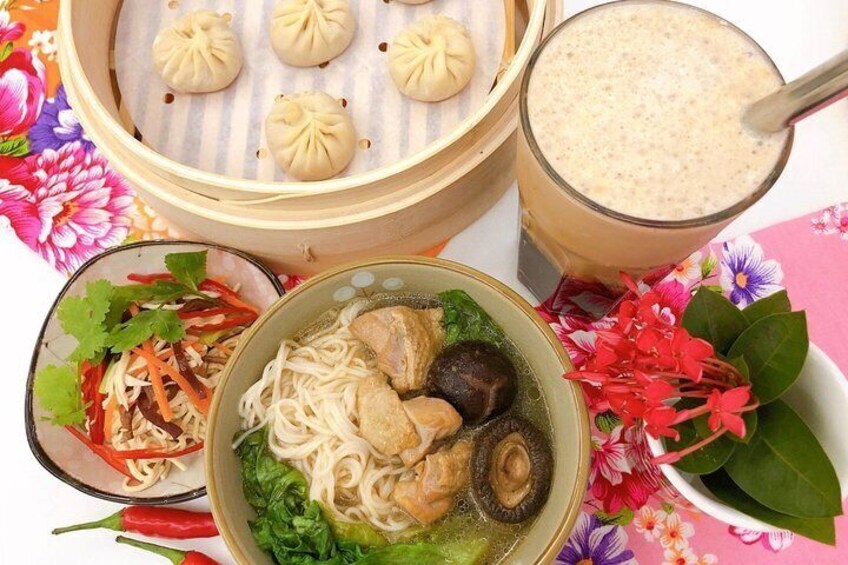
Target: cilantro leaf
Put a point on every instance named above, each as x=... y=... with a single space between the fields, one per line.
x=187 y=268
x=164 y=323
x=82 y=317
x=58 y=392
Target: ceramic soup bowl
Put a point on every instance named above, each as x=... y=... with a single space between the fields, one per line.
x=66 y=457
x=298 y=309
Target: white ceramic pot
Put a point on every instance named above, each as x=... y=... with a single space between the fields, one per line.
x=820 y=397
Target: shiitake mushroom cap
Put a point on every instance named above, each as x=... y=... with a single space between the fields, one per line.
x=476 y=378
x=540 y=457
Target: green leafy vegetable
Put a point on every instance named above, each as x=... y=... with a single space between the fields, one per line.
x=163 y=323
x=785 y=468
x=459 y=553
x=774 y=348
x=82 y=317
x=777 y=303
x=58 y=392
x=360 y=533
x=187 y=268
x=712 y=317
x=465 y=320
x=296 y=532
x=723 y=487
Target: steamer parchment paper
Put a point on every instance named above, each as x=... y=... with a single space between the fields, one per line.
x=222 y=132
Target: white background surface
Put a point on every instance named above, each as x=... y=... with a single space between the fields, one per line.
x=797 y=33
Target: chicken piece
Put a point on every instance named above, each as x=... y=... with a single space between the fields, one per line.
x=404 y=340
x=383 y=422
x=434 y=419
x=438 y=479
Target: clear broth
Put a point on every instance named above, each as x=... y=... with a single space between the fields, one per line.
x=466 y=521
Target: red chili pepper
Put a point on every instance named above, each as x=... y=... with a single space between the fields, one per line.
x=151 y=278
x=94 y=412
x=153 y=454
x=101 y=451
x=175 y=556
x=153 y=521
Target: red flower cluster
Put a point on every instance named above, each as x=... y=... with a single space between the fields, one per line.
x=643 y=363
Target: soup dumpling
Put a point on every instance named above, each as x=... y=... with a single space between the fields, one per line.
x=306 y=33
x=198 y=53
x=310 y=135
x=433 y=59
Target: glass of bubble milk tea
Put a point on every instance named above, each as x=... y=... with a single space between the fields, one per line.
x=633 y=152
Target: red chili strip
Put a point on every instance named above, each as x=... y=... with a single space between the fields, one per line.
x=101 y=451
x=244 y=319
x=209 y=312
x=153 y=454
x=94 y=412
x=151 y=278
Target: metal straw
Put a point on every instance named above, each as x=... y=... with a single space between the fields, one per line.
x=802 y=97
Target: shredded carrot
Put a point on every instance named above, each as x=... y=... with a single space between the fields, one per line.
x=158 y=385
x=134 y=309
x=177 y=377
x=222 y=348
x=238 y=303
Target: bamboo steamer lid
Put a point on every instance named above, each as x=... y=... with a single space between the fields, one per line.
x=407 y=207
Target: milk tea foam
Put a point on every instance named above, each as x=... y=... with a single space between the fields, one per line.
x=639 y=107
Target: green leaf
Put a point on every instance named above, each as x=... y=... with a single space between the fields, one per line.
x=742 y=366
x=187 y=268
x=7 y=50
x=723 y=487
x=785 y=468
x=360 y=533
x=82 y=317
x=621 y=518
x=165 y=324
x=775 y=348
x=465 y=320
x=667 y=508
x=712 y=317
x=708 y=265
x=607 y=421
x=705 y=460
x=777 y=303
x=15 y=147
x=58 y=392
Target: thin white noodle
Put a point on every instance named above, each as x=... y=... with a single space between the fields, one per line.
x=307 y=399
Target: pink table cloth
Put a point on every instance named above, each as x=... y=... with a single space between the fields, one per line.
x=61 y=198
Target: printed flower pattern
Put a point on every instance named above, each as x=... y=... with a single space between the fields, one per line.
x=649 y=522
x=593 y=542
x=832 y=221
x=746 y=276
x=75 y=207
x=21 y=92
x=773 y=541
x=57 y=126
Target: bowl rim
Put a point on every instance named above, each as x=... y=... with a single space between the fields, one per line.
x=546 y=554
x=540 y=12
x=715 y=508
x=29 y=420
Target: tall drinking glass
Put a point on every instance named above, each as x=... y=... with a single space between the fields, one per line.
x=632 y=152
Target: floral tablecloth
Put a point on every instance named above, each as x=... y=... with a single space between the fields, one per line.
x=61 y=198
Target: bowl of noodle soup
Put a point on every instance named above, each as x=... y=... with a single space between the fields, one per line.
x=149 y=481
x=290 y=395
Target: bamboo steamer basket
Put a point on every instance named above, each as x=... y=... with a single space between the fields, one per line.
x=406 y=207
